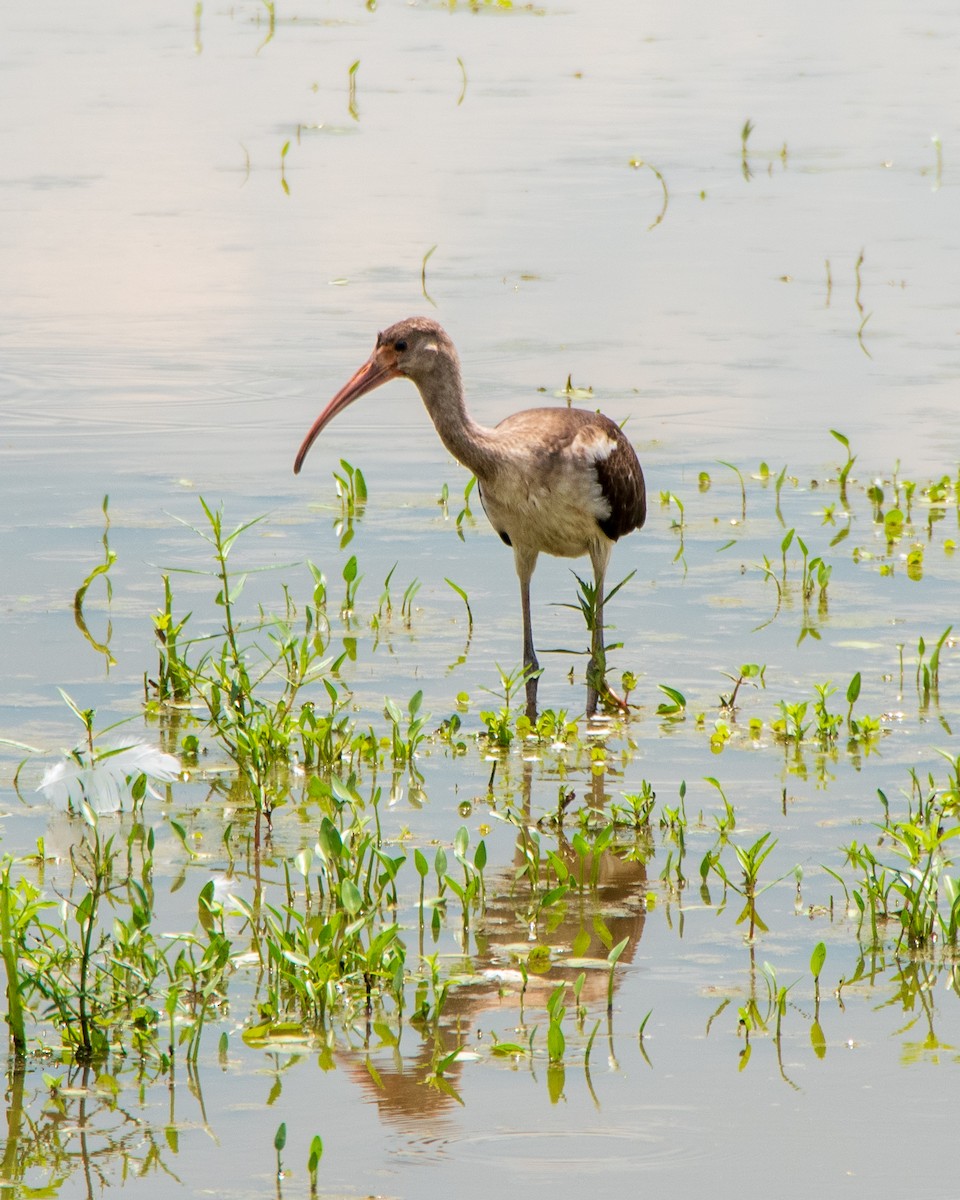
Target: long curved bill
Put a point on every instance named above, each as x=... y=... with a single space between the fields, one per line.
x=376 y=370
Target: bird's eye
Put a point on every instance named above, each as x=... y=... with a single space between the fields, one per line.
x=400 y=346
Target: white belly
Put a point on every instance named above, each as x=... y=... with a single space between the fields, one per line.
x=555 y=513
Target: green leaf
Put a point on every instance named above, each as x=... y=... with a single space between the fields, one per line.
x=556 y=1042
x=615 y=953
x=560 y=868
x=350 y=897
x=678 y=698
x=538 y=960
x=84 y=908
x=507 y=1049
x=329 y=841
x=553 y=896
x=581 y=942
x=98 y=570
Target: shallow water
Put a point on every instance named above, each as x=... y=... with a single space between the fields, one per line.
x=173 y=320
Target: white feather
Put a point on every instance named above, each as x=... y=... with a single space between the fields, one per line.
x=106 y=780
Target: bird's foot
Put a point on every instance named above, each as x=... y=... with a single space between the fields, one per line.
x=612 y=700
x=599 y=690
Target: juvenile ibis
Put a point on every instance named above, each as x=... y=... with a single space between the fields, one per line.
x=564 y=481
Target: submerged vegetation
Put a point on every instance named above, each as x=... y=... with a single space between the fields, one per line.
x=323 y=906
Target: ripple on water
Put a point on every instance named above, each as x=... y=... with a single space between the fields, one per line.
x=613 y=1149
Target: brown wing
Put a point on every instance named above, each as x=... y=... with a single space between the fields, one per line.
x=555 y=438
x=622 y=484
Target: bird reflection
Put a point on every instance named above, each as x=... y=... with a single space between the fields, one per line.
x=584 y=926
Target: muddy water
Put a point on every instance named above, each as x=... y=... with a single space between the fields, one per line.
x=179 y=297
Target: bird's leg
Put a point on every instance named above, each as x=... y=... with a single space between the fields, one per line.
x=531 y=668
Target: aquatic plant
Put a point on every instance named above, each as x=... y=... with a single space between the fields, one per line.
x=748 y=672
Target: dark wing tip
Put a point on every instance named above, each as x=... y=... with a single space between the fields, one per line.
x=621 y=481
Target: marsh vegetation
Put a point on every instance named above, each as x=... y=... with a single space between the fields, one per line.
x=296 y=899
x=329 y=900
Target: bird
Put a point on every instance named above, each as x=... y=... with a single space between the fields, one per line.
x=559 y=481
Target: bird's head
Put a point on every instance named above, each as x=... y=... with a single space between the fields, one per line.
x=412 y=349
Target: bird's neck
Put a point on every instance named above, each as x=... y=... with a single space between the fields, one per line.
x=468 y=441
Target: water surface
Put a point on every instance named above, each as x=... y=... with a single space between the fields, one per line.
x=180 y=298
